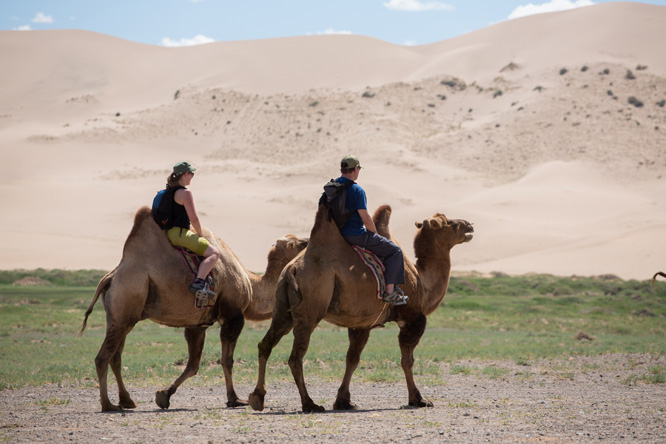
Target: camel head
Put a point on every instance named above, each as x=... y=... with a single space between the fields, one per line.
x=286 y=248
x=439 y=233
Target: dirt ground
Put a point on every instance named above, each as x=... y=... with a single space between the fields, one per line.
x=578 y=400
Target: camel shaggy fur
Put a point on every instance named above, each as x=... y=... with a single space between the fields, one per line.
x=151 y=282
x=329 y=281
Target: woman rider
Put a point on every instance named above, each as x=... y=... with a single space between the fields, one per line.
x=178 y=231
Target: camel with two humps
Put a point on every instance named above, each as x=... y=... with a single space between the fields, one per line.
x=328 y=281
x=152 y=282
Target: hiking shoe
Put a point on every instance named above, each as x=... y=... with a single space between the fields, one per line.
x=201 y=290
x=395 y=298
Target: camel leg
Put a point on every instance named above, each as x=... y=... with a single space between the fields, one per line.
x=114 y=337
x=125 y=401
x=279 y=327
x=302 y=334
x=229 y=332
x=196 y=338
x=357 y=340
x=281 y=324
x=409 y=337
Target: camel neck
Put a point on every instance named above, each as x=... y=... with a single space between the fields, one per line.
x=434 y=274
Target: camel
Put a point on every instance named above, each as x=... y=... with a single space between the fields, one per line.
x=329 y=281
x=658 y=273
x=151 y=282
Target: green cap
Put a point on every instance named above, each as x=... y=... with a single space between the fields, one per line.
x=350 y=161
x=183 y=167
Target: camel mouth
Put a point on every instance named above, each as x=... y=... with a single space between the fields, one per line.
x=468 y=237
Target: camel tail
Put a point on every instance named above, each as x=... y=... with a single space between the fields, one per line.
x=659 y=273
x=102 y=287
x=286 y=285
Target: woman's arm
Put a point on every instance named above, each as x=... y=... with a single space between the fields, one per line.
x=185 y=198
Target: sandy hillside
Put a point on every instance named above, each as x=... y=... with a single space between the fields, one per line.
x=547 y=132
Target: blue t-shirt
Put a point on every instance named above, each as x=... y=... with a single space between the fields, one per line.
x=356 y=200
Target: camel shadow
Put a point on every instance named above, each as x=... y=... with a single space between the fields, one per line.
x=138 y=412
x=327 y=412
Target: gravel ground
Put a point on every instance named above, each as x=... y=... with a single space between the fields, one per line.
x=577 y=400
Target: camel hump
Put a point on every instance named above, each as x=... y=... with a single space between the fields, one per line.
x=322 y=225
x=381 y=219
x=144 y=224
x=142 y=214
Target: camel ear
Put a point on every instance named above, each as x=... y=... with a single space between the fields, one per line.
x=418 y=224
x=435 y=224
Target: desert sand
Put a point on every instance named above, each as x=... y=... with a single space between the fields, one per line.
x=530 y=129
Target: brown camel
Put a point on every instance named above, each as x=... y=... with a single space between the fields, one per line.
x=151 y=282
x=658 y=273
x=329 y=281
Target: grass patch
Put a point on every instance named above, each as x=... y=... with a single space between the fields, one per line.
x=520 y=319
x=53 y=401
x=54 y=277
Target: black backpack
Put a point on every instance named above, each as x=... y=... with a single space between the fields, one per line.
x=163 y=208
x=334 y=198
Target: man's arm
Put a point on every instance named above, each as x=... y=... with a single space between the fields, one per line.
x=367 y=221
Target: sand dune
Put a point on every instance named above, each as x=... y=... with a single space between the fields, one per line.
x=524 y=128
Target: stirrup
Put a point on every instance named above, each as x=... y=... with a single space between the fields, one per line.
x=203 y=296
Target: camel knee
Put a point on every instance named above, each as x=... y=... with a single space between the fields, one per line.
x=265 y=348
x=295 y=364
x=407 y=362
x=227 y=362
x=101 y=363
x=192 y=368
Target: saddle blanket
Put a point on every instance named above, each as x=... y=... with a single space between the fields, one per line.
x=375 y=265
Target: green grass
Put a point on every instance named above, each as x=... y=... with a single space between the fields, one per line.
x=518 y=319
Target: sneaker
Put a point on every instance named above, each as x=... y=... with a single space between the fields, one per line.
x=395 y=298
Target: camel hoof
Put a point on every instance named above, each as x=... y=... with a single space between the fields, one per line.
x=108 y=407
x=162 y=399
x=313 y=408
x=421 y=403
x=237 y=403
x=256 y=401
x=344 y=405
x=127 y=403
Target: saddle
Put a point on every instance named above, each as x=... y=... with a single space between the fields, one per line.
x=376 y=266
x=192 y=261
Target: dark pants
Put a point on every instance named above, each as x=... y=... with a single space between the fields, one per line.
x=389 y=253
